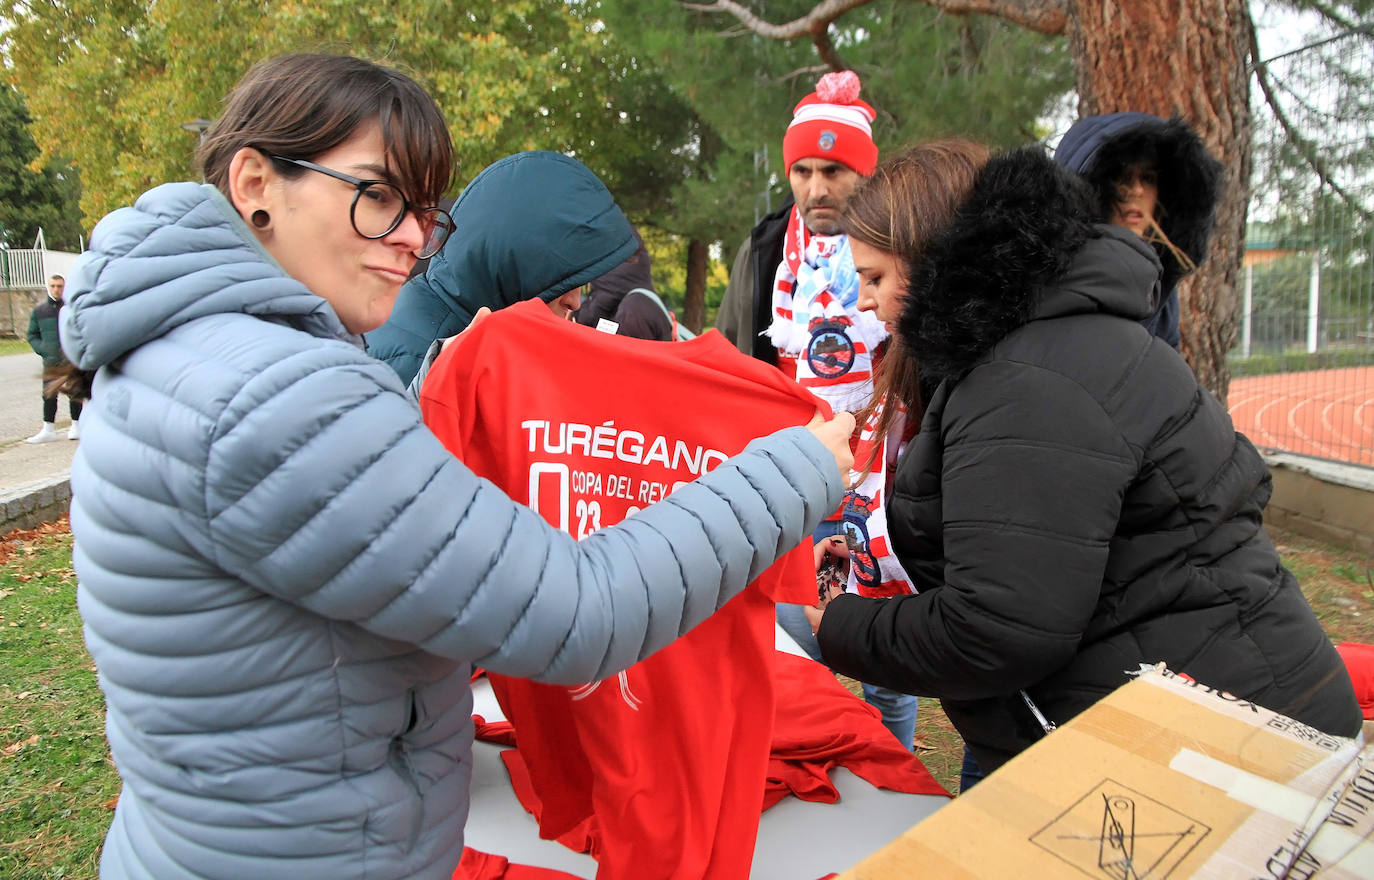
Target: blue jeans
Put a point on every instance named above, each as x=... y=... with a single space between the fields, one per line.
x=970 y=774
x=898 y=709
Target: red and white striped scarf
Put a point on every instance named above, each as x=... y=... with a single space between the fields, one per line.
x=874 y=571
x=816 y=319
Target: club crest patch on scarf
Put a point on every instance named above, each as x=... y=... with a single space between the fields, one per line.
x=830 y=353
x=874 y=570
x=855 y=511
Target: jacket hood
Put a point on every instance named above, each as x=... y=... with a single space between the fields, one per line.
x=535 y=224
x=1100 y=148
x=180 y=253
x=1023 y=246
x=608 y=290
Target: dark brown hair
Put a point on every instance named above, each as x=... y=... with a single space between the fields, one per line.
x=905 y=204
x=301 y=106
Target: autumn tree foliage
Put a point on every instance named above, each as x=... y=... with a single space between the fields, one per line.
x=109 y=82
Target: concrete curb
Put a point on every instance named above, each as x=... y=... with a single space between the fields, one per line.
x=1326 y=500
x=34 y=503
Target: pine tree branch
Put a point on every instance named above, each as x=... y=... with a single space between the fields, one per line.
x=1305 y=148
x=811 y=70
x=818 y=19
x=826 y=49
x=815 y=24
x=1333 y=14
x=1041 y=16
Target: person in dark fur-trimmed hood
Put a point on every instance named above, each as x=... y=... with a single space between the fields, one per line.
x=1156 y=178
x=1075 y=504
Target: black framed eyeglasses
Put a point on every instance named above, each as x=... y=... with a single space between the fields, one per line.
x=379 y=207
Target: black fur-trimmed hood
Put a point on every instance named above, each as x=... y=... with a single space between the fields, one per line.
x=1100 y=148
x=1023 y=246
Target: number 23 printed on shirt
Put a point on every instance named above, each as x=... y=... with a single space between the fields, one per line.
x=551 y=487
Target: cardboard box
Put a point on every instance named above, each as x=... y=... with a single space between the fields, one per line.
x=1165 y=778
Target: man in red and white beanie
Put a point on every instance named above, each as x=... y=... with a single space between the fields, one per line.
x=793 y=301
x=827 y=149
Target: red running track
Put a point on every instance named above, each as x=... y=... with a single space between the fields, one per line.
x=1324 y=413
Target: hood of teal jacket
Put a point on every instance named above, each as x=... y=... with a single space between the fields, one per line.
x=535 y=224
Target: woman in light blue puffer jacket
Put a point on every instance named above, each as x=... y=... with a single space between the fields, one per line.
x=284 y=577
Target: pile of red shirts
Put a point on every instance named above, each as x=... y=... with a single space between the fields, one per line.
x=477 y=865
x=669 y=759
x=819 y=726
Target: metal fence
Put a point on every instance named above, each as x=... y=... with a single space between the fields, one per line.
x=21 y=268
x=24 y=274
x=30 y=268
x=1303 y=365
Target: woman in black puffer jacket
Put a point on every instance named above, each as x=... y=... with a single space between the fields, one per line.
x=1154 y=177
x=1075 y=504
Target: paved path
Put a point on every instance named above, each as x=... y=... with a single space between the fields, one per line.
x=21 y=411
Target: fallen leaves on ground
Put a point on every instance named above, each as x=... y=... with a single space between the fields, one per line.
x=17 y=747
x=15 y=540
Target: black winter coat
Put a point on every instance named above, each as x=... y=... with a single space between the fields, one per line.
x=1075 y=504
x=746 y=309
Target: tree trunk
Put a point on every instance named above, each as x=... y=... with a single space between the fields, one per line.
x=694 y=305
x=1186 y=57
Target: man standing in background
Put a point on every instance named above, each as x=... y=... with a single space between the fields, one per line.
x=43 y=338
x=792 y=301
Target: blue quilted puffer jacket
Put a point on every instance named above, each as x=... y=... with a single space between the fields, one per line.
x=284 y=578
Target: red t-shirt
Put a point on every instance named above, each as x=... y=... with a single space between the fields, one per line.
x=670 y=757
x=477 y=865
x=823 y=727
x=819 y=726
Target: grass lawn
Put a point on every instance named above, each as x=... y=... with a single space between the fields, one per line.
x=15 y=346
x=57 y=784
x=58 y=787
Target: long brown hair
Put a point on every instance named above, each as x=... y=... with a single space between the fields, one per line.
x=301 y=106
x=903 y=206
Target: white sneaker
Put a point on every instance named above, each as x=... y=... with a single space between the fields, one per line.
x=74 y=432
x=46 y=434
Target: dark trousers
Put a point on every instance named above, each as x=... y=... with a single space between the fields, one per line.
x=970 y=774
x=50 y=403
x=50 y=408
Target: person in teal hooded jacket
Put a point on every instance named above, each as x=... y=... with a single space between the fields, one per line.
x=534 y=224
